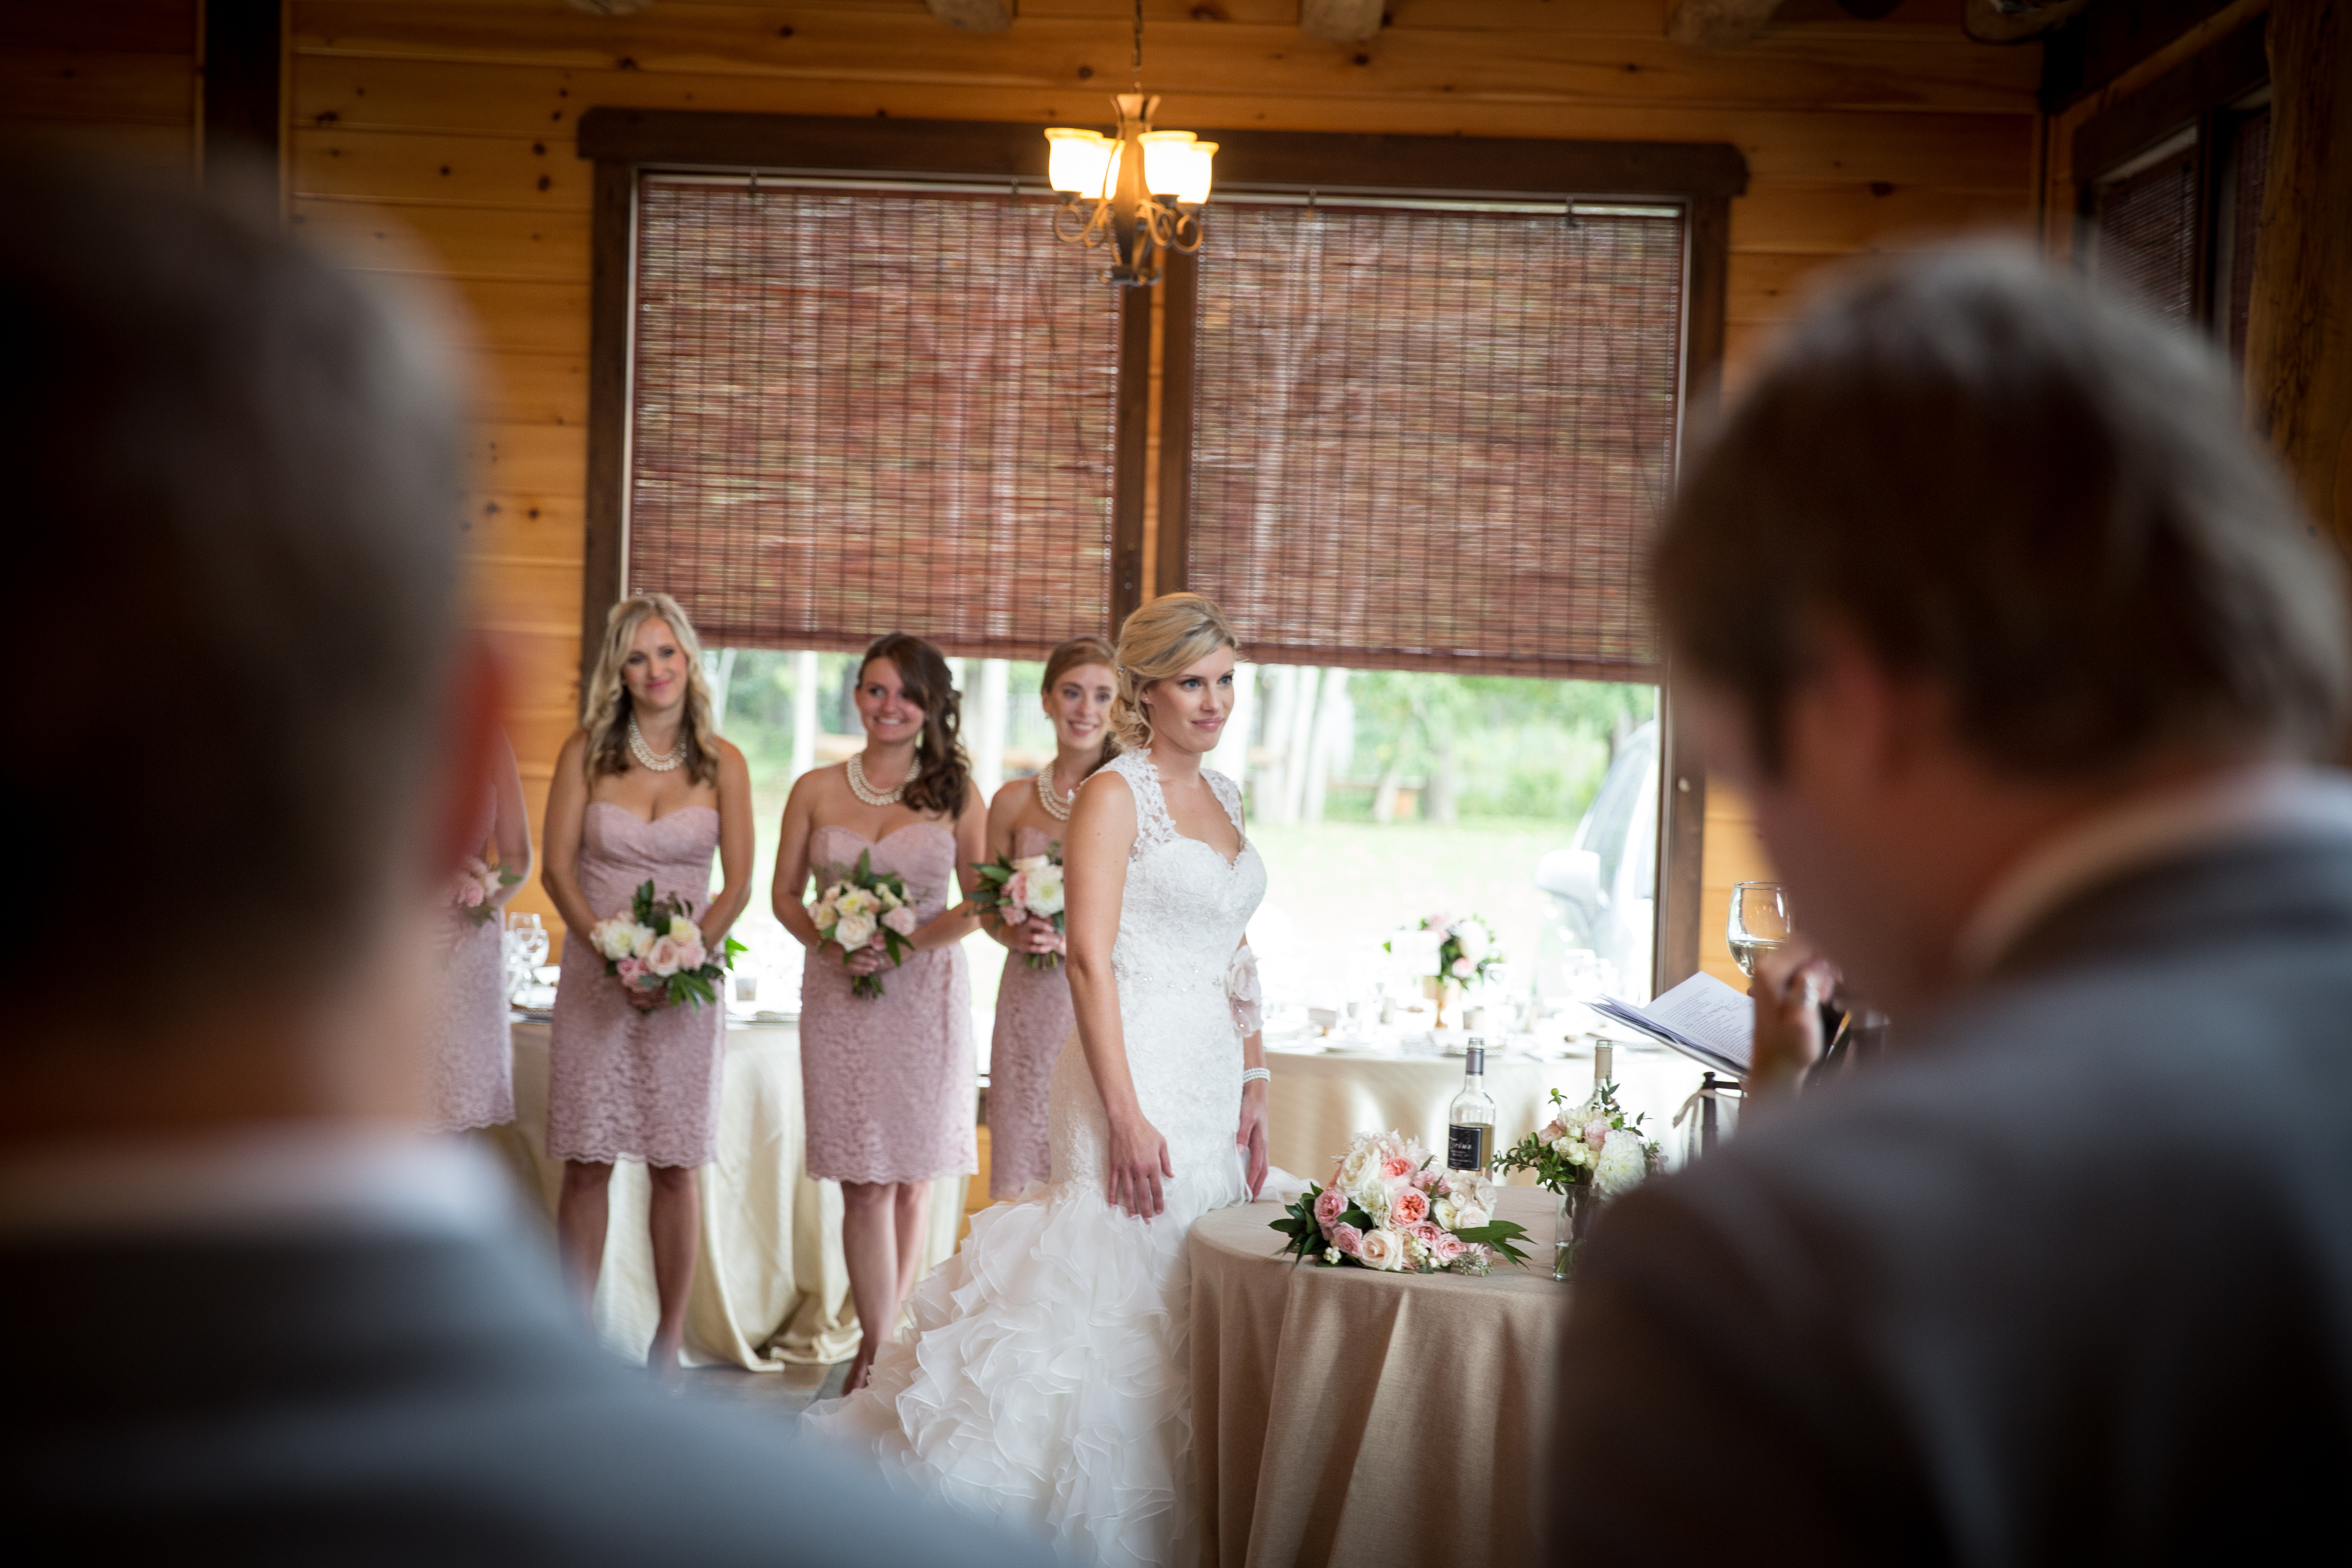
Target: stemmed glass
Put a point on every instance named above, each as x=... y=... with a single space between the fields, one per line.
x=1759 y=923
x=525 y=950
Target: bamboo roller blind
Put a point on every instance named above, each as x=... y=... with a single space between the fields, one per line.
x=2147 y=233
x=854 y=411
x=1435 y=439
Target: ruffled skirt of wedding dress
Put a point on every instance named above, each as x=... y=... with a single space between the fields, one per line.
x=1048 y=1383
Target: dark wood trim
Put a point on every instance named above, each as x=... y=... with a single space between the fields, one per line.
x=1280 y=159
x=243 y=68
x=1706 y=303
x=2215 y=78
x=1133 y=460
x=1180 y=343
x=1682 y=847
x=613 y=251
x=2085 y=52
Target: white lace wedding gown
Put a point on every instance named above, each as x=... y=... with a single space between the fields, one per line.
x=1047 y=1382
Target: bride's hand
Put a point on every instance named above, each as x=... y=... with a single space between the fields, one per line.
x=1139 y=1158
x=1251 y=1137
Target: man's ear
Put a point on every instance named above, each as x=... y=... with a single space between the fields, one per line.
x=478 y=690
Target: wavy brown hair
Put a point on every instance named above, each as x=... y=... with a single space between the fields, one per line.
x=1077 y=654
x=606 y=713
x=943 y=772
x=1164 y=639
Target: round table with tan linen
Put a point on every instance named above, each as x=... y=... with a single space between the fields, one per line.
x=769 y=1285
x=1341 y=1416
x=1315 y=1102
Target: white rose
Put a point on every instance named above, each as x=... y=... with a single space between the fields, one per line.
x=1354 y=1166
x=1469 y=1217
x=1045 y=890
x=641 y=939
x=1622 y=1163
x=683 y=930
x=1383 y=1249
x=1444 y=1211
x=854 y=930
x=1576 y=1152
x=1033 y=862
x=1372 y=1196
x=613 y=938
x=1473 y=941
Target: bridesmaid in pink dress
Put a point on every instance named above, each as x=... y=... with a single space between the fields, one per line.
x=473 y=1055
x=888 y=1082
x=643 y=789
x=1028 y=817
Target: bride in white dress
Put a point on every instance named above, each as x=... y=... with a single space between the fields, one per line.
x=1047 y=1382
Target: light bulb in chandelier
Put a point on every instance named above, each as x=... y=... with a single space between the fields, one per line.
x=1080 y=163
x=1176 y=165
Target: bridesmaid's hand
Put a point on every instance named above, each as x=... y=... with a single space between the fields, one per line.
x=643 y=1000
x=1036 y=934
x=866 y=960
x=1251 y=1137
x=1139 y=1158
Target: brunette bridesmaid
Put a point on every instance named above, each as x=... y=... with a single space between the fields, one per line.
x=889 y=1080
x=473 y=1054
x=1032 y=1005
x=645 y=788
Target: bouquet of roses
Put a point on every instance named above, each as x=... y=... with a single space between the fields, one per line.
x=866 y=908
x=1390 y=1207
x=1594 y=1145
x=474 y=891
x=1464 y=947
x=1019 y=890
x=656 y=949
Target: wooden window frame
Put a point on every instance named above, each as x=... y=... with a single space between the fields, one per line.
x=2201 y=94
x=1703 y=177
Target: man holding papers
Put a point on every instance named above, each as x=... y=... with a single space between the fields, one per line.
x=2019 y=649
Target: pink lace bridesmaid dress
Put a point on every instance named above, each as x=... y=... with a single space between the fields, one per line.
x=1034 y=1018
x=889 y=1081
x=473 y=1055
x=625 y=1085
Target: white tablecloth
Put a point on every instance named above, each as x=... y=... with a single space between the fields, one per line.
x=1316 y=1102
x=769 y=1285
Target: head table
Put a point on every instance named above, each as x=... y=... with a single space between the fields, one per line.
x=1341 y=1416
x=771 y=1285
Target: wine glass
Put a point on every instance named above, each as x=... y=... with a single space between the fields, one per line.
x=1758 y=923
x=527 y=944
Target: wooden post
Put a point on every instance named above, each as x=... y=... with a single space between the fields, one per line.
x=2299 y=325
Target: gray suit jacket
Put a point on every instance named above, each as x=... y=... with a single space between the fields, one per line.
x=2065 y=1278
x=389 y=1398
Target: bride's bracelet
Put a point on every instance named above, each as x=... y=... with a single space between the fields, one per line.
x=1250 y=1073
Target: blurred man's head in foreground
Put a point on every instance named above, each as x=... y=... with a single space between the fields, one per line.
x=1979 y=548
x=232 y=476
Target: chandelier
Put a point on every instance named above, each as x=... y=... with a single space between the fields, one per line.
x=1139 y=192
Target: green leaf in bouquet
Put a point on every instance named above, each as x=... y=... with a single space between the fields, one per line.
x=732 y=947
x=1499 y=1234
x=865 y=872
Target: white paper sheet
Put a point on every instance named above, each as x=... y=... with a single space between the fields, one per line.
x=1702 y=1017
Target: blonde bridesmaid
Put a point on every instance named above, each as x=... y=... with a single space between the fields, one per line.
x=1028 y=818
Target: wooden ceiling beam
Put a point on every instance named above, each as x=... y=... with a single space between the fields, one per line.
x=1717 y=24
x=1342 y=21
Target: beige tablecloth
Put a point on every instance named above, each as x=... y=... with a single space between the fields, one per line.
x=769 y=1285
x=1317 y=1102
x=1344 y=1417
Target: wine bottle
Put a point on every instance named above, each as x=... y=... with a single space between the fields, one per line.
x=1470 y=1119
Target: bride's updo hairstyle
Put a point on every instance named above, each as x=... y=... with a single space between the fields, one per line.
x=605 y=712
x=942 y=773
x=1160 y=641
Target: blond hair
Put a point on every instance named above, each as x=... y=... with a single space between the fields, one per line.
x=1164 y=639
x=604 y=711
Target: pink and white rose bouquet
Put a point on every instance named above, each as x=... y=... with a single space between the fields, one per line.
x=1390 y=1207
x=866 y=908
x=656 y=949
x=474 y=891
x=1595 y=1145
x=1020 y=887
x=1466 y=947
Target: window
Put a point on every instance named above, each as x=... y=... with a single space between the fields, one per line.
x=855 y=408
x=1433 y=435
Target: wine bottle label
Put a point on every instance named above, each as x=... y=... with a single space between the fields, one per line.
x=1468 y=1146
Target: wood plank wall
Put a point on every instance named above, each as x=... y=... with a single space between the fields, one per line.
x=434 y=137
x=117 y=80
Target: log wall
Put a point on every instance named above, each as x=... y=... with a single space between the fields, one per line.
x=119 y=79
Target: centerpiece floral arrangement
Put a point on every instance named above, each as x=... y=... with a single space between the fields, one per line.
x=1588 y=1153
x=474 y=891
x=1023 y=888
x=656 y=949
x=866 y=908
x=1390 y=1207
x=1466 y=949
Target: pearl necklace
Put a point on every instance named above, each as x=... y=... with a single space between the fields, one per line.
x=867 y=792
x=1051 y=799
x=646 y=756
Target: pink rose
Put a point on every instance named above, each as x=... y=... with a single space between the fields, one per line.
x=691 y=954
x=1016 y=892
x=1396 y=1167
x=1596 y=1133
x=901 y=920
x=1329 y=1206
x=1427 y=1178
x=1408 y=1208
x=662 y=957
x=1347 y=1239
x=1446 y=1247
x=1426 y=1231
x=629 y=969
